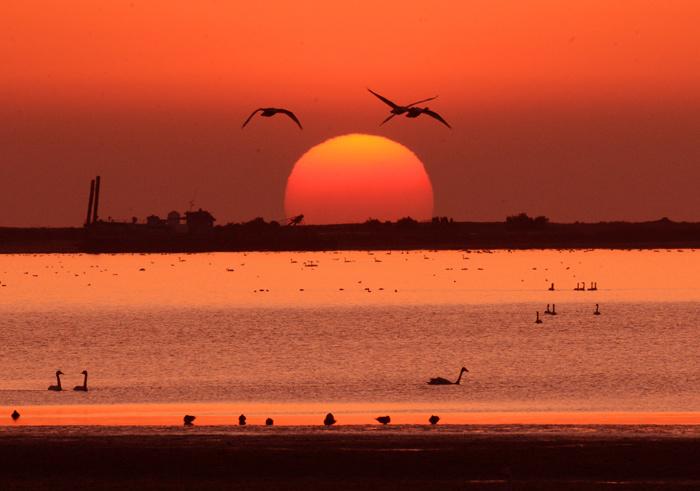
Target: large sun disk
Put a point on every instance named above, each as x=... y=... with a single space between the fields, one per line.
x=352 y=178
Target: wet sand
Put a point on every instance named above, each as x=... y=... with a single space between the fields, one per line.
x=342 y=458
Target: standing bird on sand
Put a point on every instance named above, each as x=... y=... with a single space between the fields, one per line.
x=57 y=387
x=267 y=112
x=444 y=381
x=434 y=419
x=329 y=420
x=14 y=415
x=385 y=420
x=82 y=388
x=241 y=420
x=397 y=110
x=188 y=419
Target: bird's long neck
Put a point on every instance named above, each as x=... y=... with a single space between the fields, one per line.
x=58 y=380
x=459 y=379
x=85 y=381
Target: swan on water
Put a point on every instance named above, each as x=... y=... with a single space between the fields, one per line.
x=57 y=387
x=82 y=388
x=444 y=381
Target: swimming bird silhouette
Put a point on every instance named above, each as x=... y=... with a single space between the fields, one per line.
x=385 y=420
x=397 y=110
x=57 y=387
x=268 y=112
x=269 y=422
x=434 y=419
x=444 y=381
x=597 y=312
x=538 y=320
x=414 y=112
x=188 y=419
x=14 y=415
x=329 y=420
x=241 y=420
x=82 y=388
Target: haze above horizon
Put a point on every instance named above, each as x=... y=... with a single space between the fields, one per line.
x=577 y=111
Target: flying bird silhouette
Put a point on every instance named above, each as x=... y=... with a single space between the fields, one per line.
x=414 y=112
x=397 y=110
x=268 y=112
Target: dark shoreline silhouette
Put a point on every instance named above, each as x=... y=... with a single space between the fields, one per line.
x=405 y=234
x=462 y=459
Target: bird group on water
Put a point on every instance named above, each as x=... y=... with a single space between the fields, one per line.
x=581 y=286
x=410 y=111
x=329 y=420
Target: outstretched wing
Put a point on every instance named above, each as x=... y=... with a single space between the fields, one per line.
x=436 y=116
x=387 y=119
x=424 y=100
x=291 y=115
x=251 y=116
x=384 y=99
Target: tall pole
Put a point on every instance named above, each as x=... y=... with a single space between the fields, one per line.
x=97 y=199
x=92 y=196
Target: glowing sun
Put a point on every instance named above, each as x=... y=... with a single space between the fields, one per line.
x=351 y=178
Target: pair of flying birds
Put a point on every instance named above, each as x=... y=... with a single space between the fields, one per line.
x=411 y=111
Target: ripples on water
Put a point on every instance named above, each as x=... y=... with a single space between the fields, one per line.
x=188 y=330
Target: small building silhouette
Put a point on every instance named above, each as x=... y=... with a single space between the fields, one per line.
x=154 y=221
x=199 y=221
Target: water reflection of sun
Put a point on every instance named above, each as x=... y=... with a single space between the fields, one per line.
x=352 y=178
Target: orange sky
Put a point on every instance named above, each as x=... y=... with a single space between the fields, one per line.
x=580 y=110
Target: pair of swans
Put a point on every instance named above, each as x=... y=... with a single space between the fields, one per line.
x=79 y=388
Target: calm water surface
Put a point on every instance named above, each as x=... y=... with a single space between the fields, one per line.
x=356 y=334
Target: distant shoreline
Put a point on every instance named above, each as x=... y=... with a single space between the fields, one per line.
x=258 y=235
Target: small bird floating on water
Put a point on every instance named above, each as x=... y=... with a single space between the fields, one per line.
x=434 y=419
x=444 y=381
x=241 y=420
x=14 y=415
x=84 y=387
x=269 y=422
x=188 y=419
x=329 y=420
x=385 y=420
x=267 y=112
